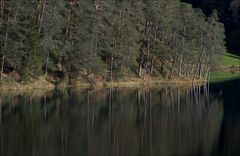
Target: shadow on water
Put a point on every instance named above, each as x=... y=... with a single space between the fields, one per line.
x=162 y=121
x=229 y=91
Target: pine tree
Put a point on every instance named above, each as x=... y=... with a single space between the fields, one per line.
x=111 y=38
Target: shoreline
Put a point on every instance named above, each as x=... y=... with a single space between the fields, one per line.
x=129 y=82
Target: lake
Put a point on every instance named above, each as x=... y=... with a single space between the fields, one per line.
x=123 y=121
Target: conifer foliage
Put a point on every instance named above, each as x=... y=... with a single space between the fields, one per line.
x=111 y=38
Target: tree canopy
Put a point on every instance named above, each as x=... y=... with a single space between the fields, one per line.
x=111 y=38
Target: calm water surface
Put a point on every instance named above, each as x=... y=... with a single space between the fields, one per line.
x=135 y=121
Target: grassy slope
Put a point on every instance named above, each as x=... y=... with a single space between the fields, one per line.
x=219 y=76
x=229 y=60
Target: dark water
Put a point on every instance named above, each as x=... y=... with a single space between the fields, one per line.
x=136 y=121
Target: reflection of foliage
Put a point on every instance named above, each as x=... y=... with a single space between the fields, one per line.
x=112 y=121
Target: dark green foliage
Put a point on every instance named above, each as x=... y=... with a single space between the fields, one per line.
x=20 y=41
x=108 y=37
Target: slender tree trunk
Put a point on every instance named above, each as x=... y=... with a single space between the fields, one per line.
x=46 y=66
x=3 y=55
x=152 y=63
x=154 y=44
x=161 y=68
x=148 y=52
x=48 y=53
x=180 y=65
x=182 y=51
x=148 y=46
x=174 y=58
x=1 y=8
x=2 y=67
x=112 y=57
x=183 y=44
x=111 y=70
x=41 y=17
x=141 y=61
x=142 y=52
x=38 y=11
x=200 y=70
x=207 y=73
x=69 y=17
x=208 y=65
x=188 y=69
x=199 y=60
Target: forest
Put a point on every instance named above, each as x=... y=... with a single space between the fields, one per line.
x=67 y=39
x=229 y=13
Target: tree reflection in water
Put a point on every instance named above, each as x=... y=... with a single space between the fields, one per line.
x=115 y=121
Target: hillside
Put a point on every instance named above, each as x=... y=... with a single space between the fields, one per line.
x=228 y=69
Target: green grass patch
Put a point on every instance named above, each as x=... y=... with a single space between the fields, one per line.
x=219 y=76
x=231 y=60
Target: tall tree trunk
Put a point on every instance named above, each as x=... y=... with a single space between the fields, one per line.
x=2 y=67
x=154 y=45
x=41 y=17
x=47 y=62
x=180 y=65
x=200 y=70
x=3 y=55
x=112 y=57
x=69 y=16
x=111 y=68
x=148 y=53
x=48 y=53
x=152 y=64
x=174 y=58
x=188 y=69
x=183 y=44
x=1 y=8
x=141 y=61
x=142 y=51
x=182 y=51
x=207 y=73
x=199 y=60
x=38 y=11
x=148 y=46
